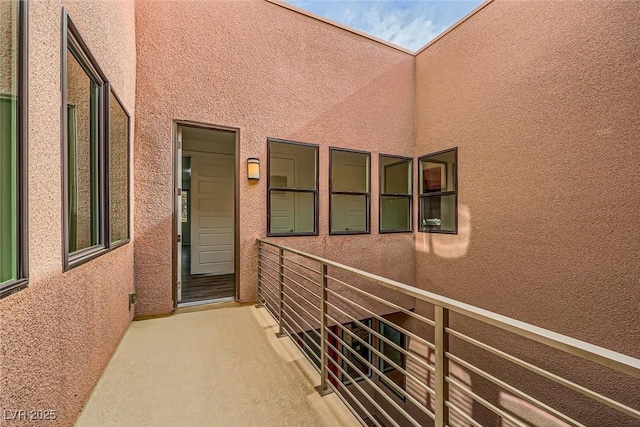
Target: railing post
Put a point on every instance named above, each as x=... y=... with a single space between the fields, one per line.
x=442 y=367
x=281 y=333
x=259 y=304
x=323 y=388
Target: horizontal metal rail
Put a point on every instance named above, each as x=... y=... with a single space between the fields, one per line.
x=302 y=276
x=514 y=391
x=387 y=303
x=301 y=297
x=381 y=319
x=381 y=356
x=605 y=357
x=366 y=378
x=302 y=265
x=416 y=361
x=377 y=371
x=376 y=334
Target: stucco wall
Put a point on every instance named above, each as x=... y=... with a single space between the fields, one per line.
x=274 y=73
x=542 y=100
x=57 y=335
x=8 y=60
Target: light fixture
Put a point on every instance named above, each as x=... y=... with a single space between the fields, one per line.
x=253 y=168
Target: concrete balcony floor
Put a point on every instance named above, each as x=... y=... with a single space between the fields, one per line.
x=218 y=367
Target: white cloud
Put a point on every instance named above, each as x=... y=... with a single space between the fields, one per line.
x=410 y=28
x=410 y=24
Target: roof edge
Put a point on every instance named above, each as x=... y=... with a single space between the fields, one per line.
x=341 y=26
x=453 y=27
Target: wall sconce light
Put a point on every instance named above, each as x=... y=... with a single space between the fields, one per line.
x=253 y=168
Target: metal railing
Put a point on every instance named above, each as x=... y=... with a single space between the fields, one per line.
x=395 y=362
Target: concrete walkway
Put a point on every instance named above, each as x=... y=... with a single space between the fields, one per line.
x=219 y=367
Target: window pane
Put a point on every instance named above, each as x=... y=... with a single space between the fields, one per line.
x=396 y=175
x=438 y=213
x=83 y=99
x=395 y=213
x=349 y=172
x=292 y=212
x=348 y=212
x=292 y=166
x=437 y=173
x=8 y=141
x=118 y=170
x=185 y=206
x=312 y=348
x=361 y=351
x=392 y=353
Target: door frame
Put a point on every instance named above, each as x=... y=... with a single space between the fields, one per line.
x=176 y=214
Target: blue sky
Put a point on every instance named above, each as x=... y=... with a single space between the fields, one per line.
x=410 y=24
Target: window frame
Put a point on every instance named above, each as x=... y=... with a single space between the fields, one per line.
x=366 y=324
x=316 y=216
x=381 y=361
x=351 y=193
x=122 y=242
x=381 y=195
x=453 y=192
x=73 y=42
x=22 y=151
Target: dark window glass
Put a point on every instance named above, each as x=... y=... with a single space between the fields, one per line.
x=356 y=352
x=118 y=170
x=396 y=194
x=438 y=192
x=83 y=169
x=349 y=213
x=311 y=346
x=12 y=146
x=392 y=374
x=293 y=188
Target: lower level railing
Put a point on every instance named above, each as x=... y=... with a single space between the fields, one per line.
x=398 y=355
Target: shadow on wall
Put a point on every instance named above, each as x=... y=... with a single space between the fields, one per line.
x=382 y=97
x=447 y=245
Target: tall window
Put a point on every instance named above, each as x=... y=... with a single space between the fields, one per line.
x=84 y=98
x=96 y=157
x=394 y=355
x=293 y=188
x=118 y=170
x=438 y=192
x=396 y=193
x=355 y=351
x=13 y=101
x=350 y=192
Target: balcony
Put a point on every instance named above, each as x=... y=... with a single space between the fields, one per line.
x=391 y=353
x=222 y=366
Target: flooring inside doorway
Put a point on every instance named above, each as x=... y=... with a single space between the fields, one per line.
x=204 y=287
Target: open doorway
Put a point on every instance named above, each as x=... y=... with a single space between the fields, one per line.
x=206 y=220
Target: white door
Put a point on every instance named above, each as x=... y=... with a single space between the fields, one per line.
x=282 y=203
x=212 y=213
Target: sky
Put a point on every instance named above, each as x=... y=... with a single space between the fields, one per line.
x=409 y=24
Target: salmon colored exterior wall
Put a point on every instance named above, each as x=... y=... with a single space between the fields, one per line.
x=57 y=335
x=274 y=73
x=541 y=99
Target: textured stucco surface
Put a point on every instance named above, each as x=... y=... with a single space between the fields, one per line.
x=228 y=368
x=271 y=73
x=542 y=100
x=8 y=43
x=57 y=336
